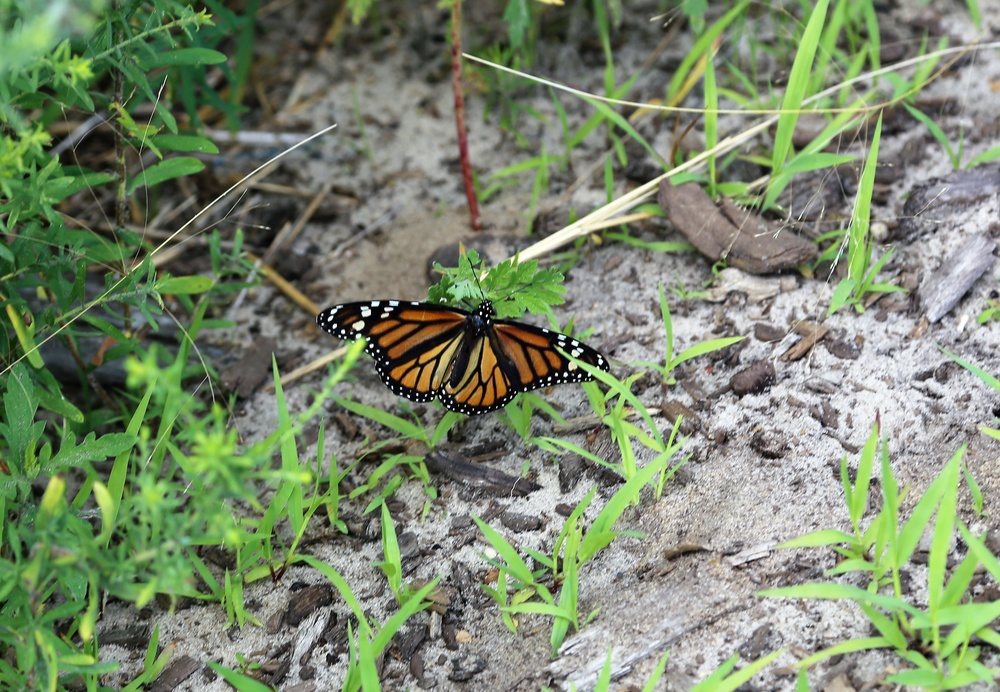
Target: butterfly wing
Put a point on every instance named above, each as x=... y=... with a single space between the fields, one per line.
x=413 y=344
x=510 y=358
x=537 y=355
x=480 y=381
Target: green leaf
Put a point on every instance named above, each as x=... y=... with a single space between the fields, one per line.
x=936 y=132
x=20 y=405
x=403 y=427
x=703 y=348
x=841 y=295
x=517 y=18
x=94 y=448
x=25 y=337
x=84 y=180
x=991 y=154
x=243 y=683
x=722 y=681
x=184 y=285
x=516 y=566
x=974 y=369
x=202 y=145
x=833 y=591
x=701 y=47
x=168 y=169
x=798 y=82
x=886 y=626
x=860 y=242
x=978 y=547
x=920 y=516
x=815 y=539
x=181 y=56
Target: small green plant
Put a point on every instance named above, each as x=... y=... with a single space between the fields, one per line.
x=955 y=156
x=299 y=493
x=390 y=474
x=513 y=287
x=671 y=361
x=239 y=678
x=518 y=414
x=986 y=377
x=623 y=431
x=861 y=273
x=937 y=638
x=153 y=663
x=727 y=679
x=573 y=548
x=392 y=564
x=990 y=312
x=803 y=79
x=683 y=293
x=371 y=640
x=156 y=468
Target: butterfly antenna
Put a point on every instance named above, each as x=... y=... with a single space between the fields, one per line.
x=475 y=274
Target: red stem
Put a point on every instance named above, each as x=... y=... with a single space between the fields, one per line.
x=456 y=86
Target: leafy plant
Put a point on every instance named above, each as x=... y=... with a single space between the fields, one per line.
x=795 y=92
x=139 y=482
x=991 y=312
x=861 y=273
x=371 y=640
x=513 y=287
x=518 y=414
x=986 y=377
x=936 y=639
x=955 y=156
x=392 y=565
x=727 y=678
x=573 y=548
x=671 y=361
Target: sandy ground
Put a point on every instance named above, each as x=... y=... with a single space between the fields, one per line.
x=762 y=470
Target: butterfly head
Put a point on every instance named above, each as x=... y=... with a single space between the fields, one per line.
x=479 y=321
x=486 y=311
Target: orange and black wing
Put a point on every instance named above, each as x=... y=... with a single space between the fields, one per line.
x=510 y=358
x=414 y=344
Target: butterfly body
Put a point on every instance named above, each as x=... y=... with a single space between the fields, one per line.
x=473 y=362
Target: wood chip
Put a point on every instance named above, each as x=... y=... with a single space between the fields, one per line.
x=943 y=289
x=177 y=671
x=846 y=349
x=246 y=375
x=768 y=333
x=682 y=549
x=489 y=479
x=757 y=552
x=745 y=240
x=757 y=289
x=519 y=523
x=691 y=423
x=922 y=211
x=812 y=333
x=754 y=379
x=305 y=601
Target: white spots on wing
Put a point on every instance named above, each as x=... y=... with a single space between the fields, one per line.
x=358 y=326
x=366 y=312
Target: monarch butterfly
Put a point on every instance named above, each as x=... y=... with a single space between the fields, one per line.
x=473 y=362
